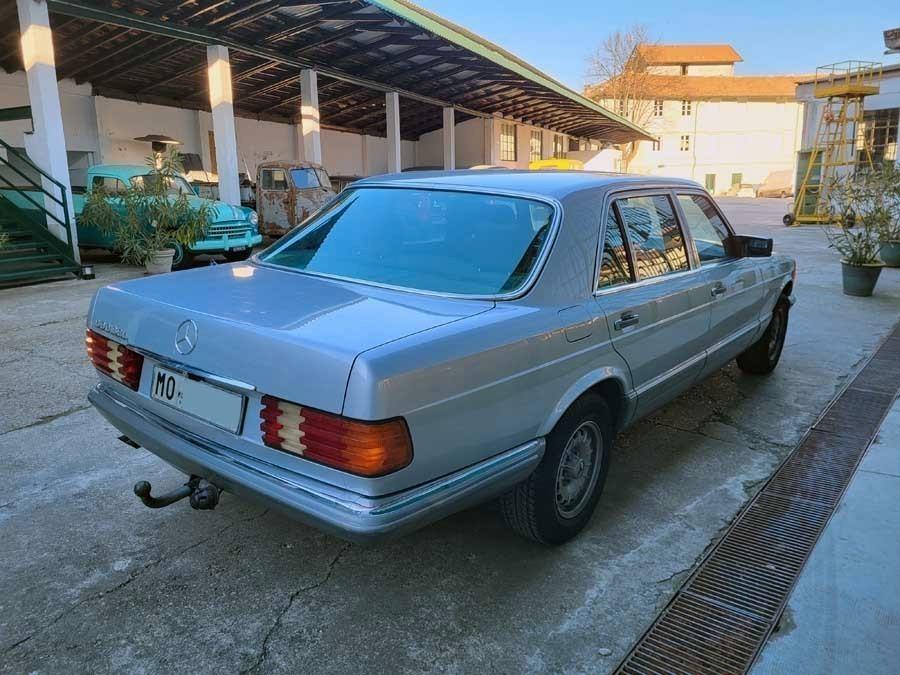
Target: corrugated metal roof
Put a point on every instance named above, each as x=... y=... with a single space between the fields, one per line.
x=153 y=51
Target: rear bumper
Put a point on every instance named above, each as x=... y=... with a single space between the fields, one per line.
x=346 y=514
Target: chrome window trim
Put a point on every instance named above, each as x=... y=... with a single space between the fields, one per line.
x=655 y=189
x=527 y=285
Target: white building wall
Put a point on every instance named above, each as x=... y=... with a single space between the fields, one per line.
x=77 y=108
x=694 y=69
x=726 y=137
x=105 y=128
x=120 y=122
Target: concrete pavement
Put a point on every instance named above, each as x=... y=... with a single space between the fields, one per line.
x=91 y=581
x=844 y=613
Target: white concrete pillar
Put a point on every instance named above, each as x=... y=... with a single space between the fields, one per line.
x=449 y=136
x=221 y=102
x=309 y=116
x=47 y=145
x=392 y=110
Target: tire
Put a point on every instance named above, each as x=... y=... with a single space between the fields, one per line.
x=550 y=506
x=183 y=257
x=763 y=355
x=788 y=219
x=238 y=256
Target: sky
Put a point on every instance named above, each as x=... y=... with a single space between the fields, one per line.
x=786 y=37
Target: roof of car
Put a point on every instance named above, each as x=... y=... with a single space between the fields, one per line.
x=556 y=184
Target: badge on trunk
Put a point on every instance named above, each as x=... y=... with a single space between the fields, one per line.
x=186 y=337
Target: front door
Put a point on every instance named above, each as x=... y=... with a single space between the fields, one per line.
x=733 y=285
x=658 y=318
x=273 y=201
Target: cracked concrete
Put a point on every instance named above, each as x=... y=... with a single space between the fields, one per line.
x=91 y=581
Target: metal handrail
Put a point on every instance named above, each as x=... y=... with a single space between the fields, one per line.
x=62 y=200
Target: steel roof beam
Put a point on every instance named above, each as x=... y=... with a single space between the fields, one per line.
x=150 y=25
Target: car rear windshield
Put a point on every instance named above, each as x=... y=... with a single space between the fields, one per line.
x=426 y=240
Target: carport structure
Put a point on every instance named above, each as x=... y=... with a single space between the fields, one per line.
x=377 y=67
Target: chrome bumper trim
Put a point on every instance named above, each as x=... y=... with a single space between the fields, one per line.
x=336 y=510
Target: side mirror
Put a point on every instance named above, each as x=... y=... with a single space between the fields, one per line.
x=742 y=246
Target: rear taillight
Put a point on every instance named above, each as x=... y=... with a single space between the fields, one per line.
x=363 y=448
x=114 y=359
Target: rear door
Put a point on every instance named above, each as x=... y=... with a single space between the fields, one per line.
x=653 y=296
x=733 y=285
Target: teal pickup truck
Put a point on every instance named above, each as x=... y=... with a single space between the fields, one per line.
x=233 y=230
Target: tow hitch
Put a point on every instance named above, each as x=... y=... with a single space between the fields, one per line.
x=202 y=494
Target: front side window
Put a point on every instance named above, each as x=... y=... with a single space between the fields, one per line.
x=110 y=185
x=274 y=179
x=615 y=268
x=656 y=239
x=536 y=146
x=426 y=240
x=175 y=185
x=508 y=142
x=706 y=226
x=305 y=178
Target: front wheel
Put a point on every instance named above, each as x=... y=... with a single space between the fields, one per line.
x=788 y=219
x=183 y=257
x=763 y=355
x=555 y=503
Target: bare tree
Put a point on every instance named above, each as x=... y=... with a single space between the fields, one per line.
x=620 y=80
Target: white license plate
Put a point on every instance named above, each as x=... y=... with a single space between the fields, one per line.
x=194 y=397
x=238 y=249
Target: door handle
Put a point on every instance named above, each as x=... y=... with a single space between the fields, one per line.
x=626 y=319
x=717 y=290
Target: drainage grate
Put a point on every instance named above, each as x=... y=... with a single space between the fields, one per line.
x=722 y=616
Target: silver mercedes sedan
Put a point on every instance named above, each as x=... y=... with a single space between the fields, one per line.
x=430 y=341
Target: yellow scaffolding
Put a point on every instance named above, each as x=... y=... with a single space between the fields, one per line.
x=839 y=149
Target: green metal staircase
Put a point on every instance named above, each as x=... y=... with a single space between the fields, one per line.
x=28 y=250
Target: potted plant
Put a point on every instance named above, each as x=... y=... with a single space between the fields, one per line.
x=858 y=247
x=151 y=217
x=887 y=188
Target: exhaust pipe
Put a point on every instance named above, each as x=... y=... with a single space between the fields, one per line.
x=202 y=495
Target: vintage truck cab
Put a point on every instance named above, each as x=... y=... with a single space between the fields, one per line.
x=288 y=192
x=233 y=230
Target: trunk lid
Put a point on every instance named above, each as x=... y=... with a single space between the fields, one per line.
x=291 y=335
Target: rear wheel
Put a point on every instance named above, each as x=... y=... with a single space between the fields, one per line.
x=763 y=355
x=555 y=503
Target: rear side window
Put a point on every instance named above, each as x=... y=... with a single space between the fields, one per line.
x=706 y=227
x=274 y=179
x=656 y=240
x=615 y=267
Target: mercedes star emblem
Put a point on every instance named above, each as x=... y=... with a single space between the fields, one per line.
x=186 y=337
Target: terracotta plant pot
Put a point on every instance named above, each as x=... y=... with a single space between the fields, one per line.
x=890 y=253
x=860 y=280
x=160 y=262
